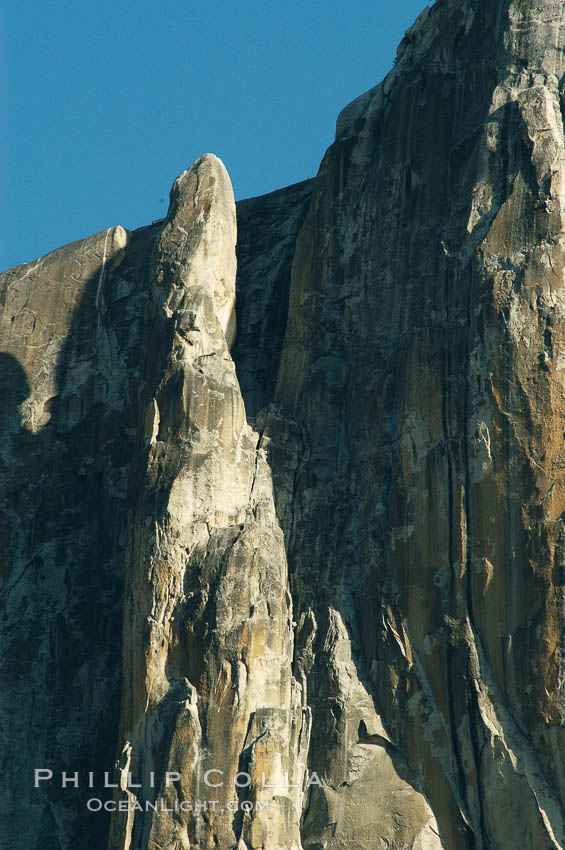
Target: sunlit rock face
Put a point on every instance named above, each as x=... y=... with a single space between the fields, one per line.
x=303 y=571
x=423 y=374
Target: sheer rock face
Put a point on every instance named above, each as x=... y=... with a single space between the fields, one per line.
x=267 y=230
x=344 y=559
x=72 y=333
x=422 y=372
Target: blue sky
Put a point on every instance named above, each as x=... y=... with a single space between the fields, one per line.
x=105 y=103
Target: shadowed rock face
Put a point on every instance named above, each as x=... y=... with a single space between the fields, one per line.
x=328 y=555
x=71 y=333
x=267 y=231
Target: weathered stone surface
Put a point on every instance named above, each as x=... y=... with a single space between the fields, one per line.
x=71 y=339
x=421 y=372
x=121 y=404
x=341 y=553
x=208 y=624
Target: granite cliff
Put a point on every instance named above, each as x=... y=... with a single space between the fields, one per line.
x=284 y=525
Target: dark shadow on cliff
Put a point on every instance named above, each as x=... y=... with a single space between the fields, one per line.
x=65 y=525
x=14 y=390
x=267 y=228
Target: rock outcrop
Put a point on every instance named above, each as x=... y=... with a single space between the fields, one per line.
x=304 y=586
x=72 y=334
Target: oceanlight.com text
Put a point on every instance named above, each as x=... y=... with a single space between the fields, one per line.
x=95 y=804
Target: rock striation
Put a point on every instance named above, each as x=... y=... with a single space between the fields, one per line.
x=307 y=575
